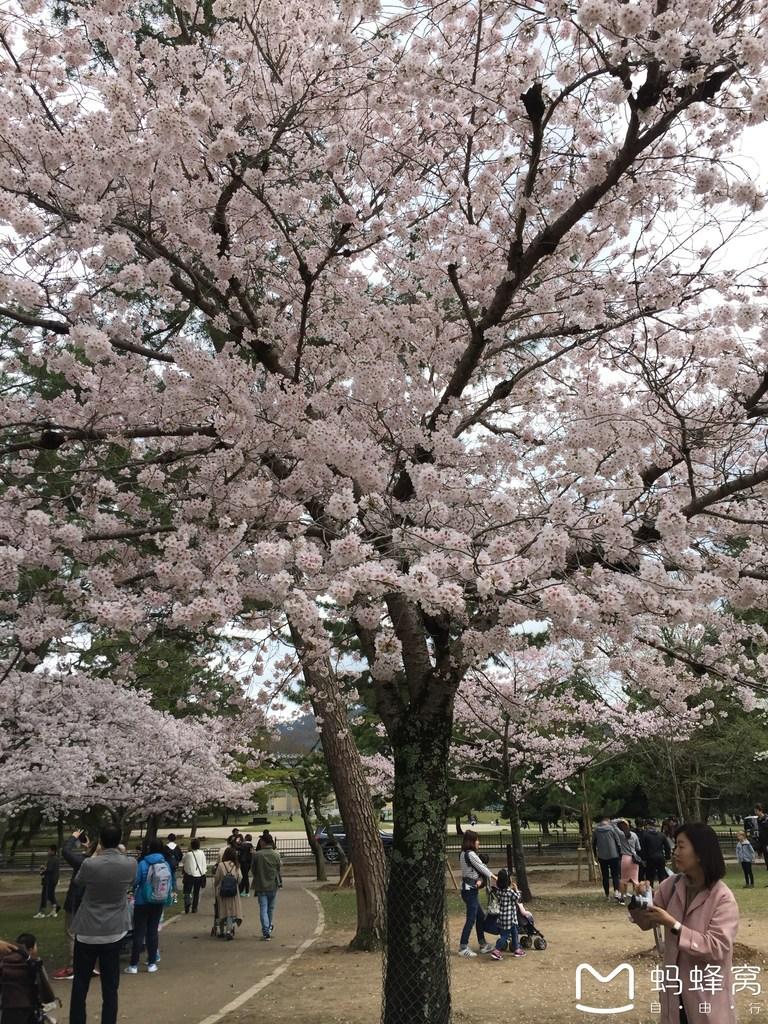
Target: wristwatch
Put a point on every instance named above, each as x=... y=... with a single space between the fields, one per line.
x=676 y=928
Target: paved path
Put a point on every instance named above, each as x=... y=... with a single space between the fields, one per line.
x=200 y=976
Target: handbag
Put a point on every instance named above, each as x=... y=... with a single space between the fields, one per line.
x=494 y=907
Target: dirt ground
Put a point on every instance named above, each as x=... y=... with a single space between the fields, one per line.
x=330 y=985
x=307 y=976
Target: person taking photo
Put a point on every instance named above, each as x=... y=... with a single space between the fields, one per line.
x=700 y=918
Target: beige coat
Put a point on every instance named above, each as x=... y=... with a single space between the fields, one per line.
x=706 y=938
x=229 y=907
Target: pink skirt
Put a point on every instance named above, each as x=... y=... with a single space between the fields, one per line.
x=630 y=871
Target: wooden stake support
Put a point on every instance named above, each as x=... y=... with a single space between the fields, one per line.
x=348 y=874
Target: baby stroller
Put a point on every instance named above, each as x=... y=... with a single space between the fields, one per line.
x=530 y=934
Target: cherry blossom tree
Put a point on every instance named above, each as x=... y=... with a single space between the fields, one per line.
x=547 y=716
x=73 y=743
x=415 y=323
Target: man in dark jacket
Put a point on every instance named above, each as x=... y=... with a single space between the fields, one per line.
x=656 y=850
x=49 y=879
x=606 y=846
x=245 y=856
x=24 y=985
x=762 y=830
x=74 y=851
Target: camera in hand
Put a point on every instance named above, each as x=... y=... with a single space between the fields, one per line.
x=641 y=901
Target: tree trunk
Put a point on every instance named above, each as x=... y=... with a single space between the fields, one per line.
x=366 y=850
x=675 y=782
x=459 y=829
x=416 y=977
x=518 y=854
x=587 y=815
x=544 y=824
x=153 y=825
x=698 y=814
x=193 y=829
x=317 y=852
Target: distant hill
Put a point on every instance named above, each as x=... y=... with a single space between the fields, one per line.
x=297 y=736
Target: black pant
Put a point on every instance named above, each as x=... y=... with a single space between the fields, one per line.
x=48 y=892
x=16 y=1016
x=610 y=867
x=746 y=867
x=191 y=886
x=86 y=957
x=146 y=922
x=244 y=881
x=655 y=871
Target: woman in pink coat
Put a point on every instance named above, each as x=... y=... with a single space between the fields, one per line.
x=700 y=918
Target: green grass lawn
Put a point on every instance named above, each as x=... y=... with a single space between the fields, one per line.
x=18 y=916
x=552 y=901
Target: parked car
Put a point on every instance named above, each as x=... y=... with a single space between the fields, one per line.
x=330 y=852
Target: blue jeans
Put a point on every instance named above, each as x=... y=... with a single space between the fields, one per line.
x=266 y=909
x=475 y=916
x=510 y=938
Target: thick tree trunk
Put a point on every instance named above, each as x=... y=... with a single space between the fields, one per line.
x=518 y=854
x=366 y=850
x=153 y=824
x=345 y=768
x=416 y=978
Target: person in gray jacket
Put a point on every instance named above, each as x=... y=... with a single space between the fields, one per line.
x=100 y=924
x=606 y=845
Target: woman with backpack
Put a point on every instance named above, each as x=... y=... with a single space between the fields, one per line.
x=152 y=891
x=226 y=886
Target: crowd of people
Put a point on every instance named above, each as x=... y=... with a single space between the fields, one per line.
x=116 y=900
x=668 y=875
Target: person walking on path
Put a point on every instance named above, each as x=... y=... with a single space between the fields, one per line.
x=656 y=850
x=226 y=884
x=606 y=846
x=194 y=868
x=100 y=924
x=153 y=887
x=630 y=858
x=49 y=879
x=745 y=855
x=245 y=856
x=266 y=881
x=473 y=874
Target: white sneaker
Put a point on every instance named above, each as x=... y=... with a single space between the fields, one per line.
x=152 y=968
x=38 y=915
x=53 y=913
x=130 y=969
x=467 y=952
x=487 y=947
x=618 y=897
